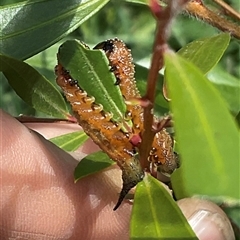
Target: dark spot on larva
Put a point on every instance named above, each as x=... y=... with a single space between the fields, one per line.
x=96 y=107
x=134 y=151
x=73 y=82
x=56 y=69
x=66 y=72
x=152 y=151
x=118 y=81
x=128 y=115
x=127 y=135
x=113 y=68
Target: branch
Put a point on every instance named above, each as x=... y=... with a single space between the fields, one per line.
x=228 y=9
x=164 y=18
x=198 y=10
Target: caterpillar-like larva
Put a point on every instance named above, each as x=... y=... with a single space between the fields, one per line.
x=121 y=64
x=107 y=134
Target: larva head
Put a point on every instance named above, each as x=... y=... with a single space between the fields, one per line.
x=107 y=46
x=170 y=165
x=132 y=174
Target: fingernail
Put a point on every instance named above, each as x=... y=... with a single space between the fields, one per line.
x=207 y=225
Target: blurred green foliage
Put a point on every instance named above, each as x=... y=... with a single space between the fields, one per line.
x=134 y=24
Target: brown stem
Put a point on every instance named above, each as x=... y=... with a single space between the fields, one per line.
x=198 y=10
x=228 y=9
x=164 y=19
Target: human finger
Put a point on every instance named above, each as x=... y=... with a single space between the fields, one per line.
x=39 y=198
x=208 y=221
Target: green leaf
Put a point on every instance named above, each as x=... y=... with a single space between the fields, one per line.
x=29 y=27
x=161 y=106
x=205 y=53
x=90 y=68
x=91 y=164
x=45 y=62
x=228 y=86
x=70 y=141
x=155 y=213
x=32 y=87
x=207 y=136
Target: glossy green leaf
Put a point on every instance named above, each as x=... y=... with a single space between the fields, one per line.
x=70 y=141
x=29 y=27
x=228 y=86
x=207 y=136
x=45 y=62
x=91 y=164
x=155 y=213
x=90 y=68
x=205 y=53
x=32 y=87
x=161 y=106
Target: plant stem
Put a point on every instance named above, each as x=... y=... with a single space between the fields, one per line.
x=164 y=19
x=198 y=10
x=228 y=9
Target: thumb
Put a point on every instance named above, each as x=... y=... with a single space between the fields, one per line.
x=208 y=221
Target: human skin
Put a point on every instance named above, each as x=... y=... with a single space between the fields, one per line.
x=39 y=199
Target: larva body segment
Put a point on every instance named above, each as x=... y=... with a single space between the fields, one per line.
x=103 y=131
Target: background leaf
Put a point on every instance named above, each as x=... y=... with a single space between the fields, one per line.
x=228 y=86
x=33 y=88
x=29 y=27
x=155 y=213
x=91 y=164
x=90 y=68
x=208 y=139
x=205 y=53
x=70 y=141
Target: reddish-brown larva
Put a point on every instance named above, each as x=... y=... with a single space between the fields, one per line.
x=103 y=131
